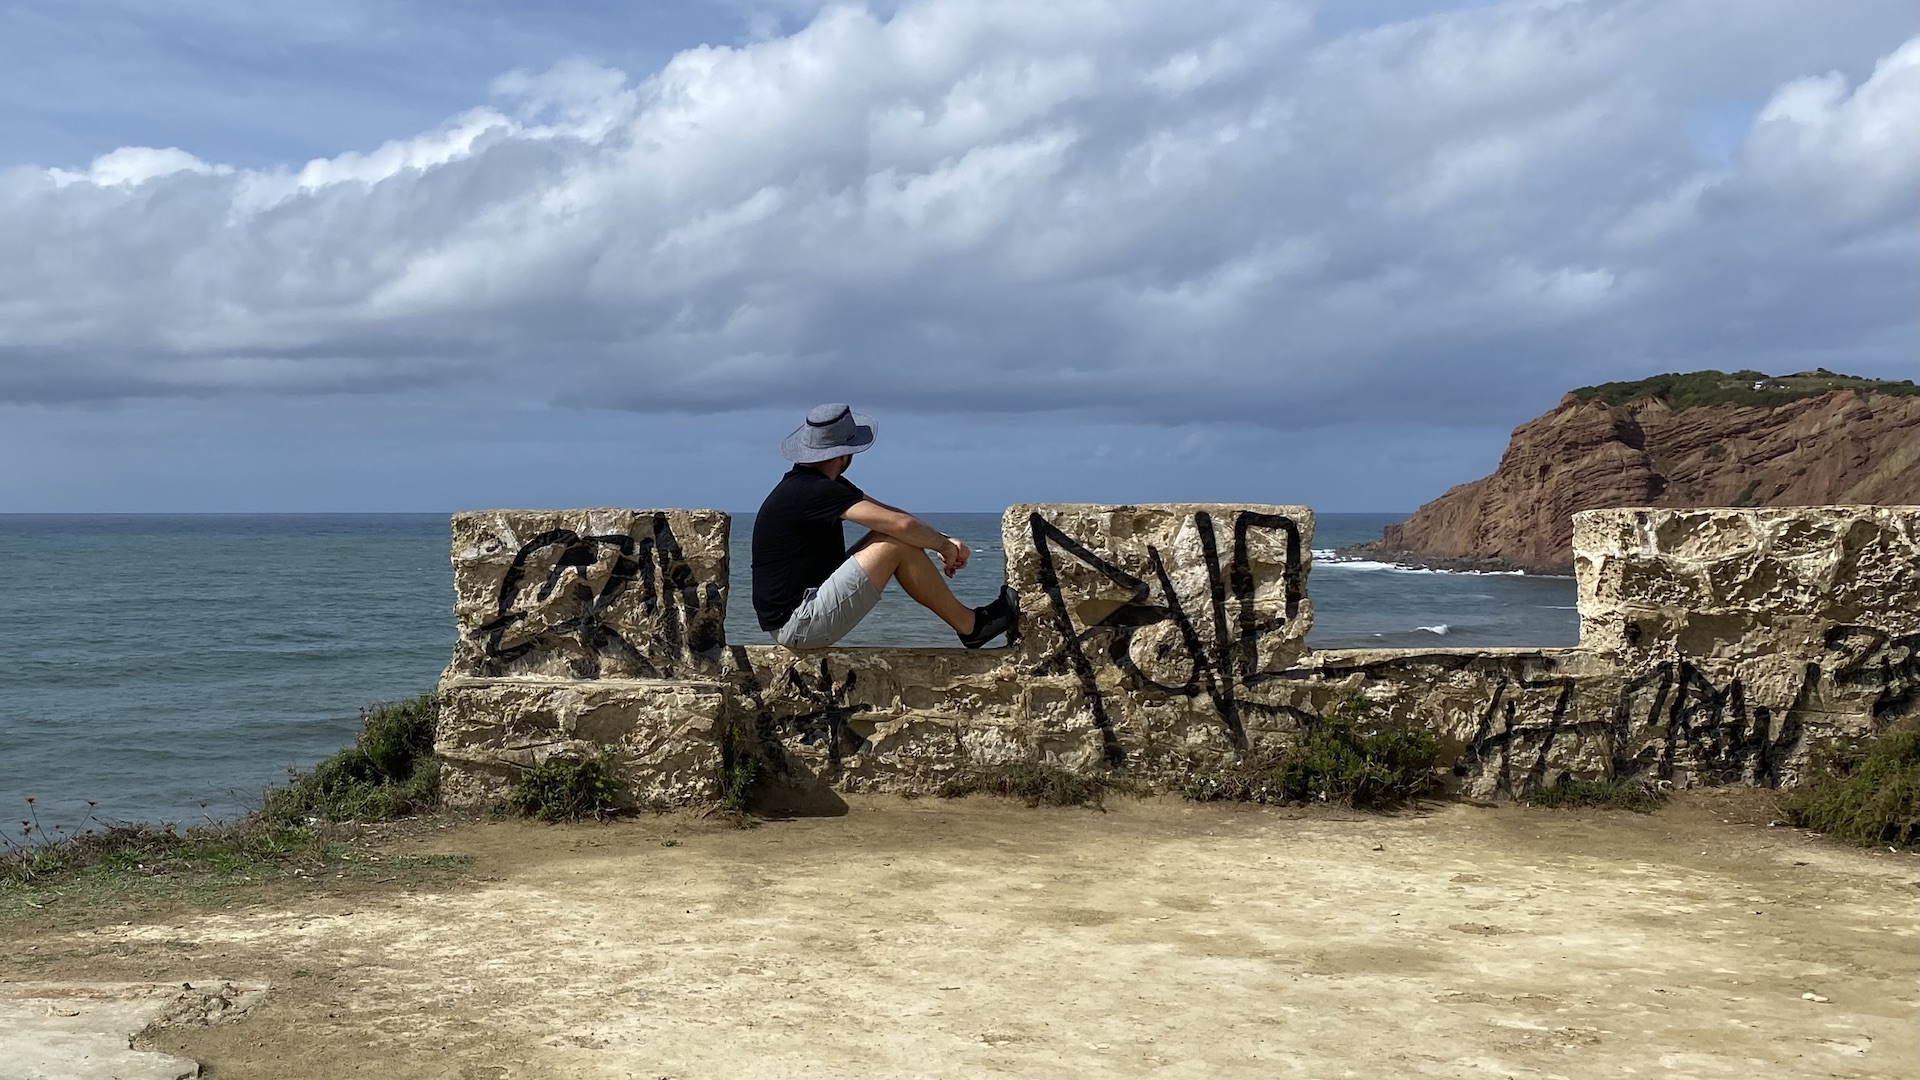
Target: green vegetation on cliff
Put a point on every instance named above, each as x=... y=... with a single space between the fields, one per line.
x=1698 y=389
x=309 y=832
x=389 y=772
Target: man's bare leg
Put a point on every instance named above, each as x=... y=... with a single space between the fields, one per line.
x=886 y=558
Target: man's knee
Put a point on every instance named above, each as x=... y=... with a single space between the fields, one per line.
x=884 y=554
x=881 y=555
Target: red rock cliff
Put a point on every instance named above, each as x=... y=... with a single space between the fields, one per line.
x=1845 y=446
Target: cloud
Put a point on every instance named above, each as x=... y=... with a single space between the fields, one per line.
x=1143 y=212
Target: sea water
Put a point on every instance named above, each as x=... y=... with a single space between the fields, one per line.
x=169 y=668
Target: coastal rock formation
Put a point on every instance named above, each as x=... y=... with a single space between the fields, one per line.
x=1161 y=642
x=1845 y=446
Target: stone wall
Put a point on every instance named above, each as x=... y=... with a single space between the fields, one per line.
x=1717 y=647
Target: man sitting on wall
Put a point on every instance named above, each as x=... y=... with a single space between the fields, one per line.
x=809 y=590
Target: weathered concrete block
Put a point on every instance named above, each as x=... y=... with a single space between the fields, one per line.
x=1718 y=646
x=589 y=594
x=1733 y=584
x=877 y=719
x=1177 y=600
x=665 y=736
x=1740 y=638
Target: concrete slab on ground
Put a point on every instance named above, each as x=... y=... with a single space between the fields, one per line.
x=85 y=1031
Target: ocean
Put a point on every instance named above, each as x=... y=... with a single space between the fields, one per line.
x=170 y=667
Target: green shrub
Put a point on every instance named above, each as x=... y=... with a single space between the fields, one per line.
x=1036 y=783
x=397 y=737
x=1332 y=763
x=1697 y=389
x=740 y=771
x=389 y=772
x=1867 y=793
x=1618 y=793
x=566 y=789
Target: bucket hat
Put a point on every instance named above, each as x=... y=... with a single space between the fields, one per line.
x=830 y=431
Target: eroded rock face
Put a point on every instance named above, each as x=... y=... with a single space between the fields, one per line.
x=1161 y=641
x=665 y=736
x=588 y=594
x=1844 y=447
x=1745 y=636
x=1742 y=585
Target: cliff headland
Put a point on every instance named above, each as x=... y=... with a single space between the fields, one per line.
x=1705 y=438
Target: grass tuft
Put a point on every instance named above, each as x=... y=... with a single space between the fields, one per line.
x=389 y=772
x=1037 y=784
x=1867 y=793
x=1334 y=763
x=566 y=789
x=741 y=771
x=1617 y=793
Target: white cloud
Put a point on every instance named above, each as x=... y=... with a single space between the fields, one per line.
x=1158 y=212
x=1852 y=154
x=136 y=165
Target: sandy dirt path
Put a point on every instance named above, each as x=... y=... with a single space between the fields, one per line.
x=1163 y=939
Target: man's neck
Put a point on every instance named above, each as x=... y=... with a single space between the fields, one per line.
x=830 y=469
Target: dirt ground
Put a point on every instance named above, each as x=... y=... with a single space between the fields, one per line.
x=980 y=938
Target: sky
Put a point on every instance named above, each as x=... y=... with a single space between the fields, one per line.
x=343 y=255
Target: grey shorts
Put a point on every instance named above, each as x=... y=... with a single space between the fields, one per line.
x=828 y=613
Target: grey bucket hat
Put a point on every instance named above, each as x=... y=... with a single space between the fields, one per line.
x=830 y=431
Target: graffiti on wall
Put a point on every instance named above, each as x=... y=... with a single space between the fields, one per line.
x=561 y=589
x=1514 y=736
x=1674 y=721
x=1215 y=663
x=1872 y=660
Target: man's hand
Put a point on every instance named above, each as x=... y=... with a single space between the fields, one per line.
x=955 y=555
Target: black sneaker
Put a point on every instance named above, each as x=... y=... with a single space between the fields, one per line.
x=994 y=619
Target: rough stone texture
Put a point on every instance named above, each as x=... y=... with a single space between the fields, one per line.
x=1748 y=635
x=1744 y=584
x=589 y=593
x=1167 y=581
x=1841 y=447
x=879 y=719
x=1718 y=646
x=665 y=736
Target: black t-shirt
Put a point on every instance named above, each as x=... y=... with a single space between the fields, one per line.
x=797 y=540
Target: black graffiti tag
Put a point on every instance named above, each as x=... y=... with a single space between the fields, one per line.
x=1496 y=747
x=1217 y=669
x=1873 y=659
x=690 y=616
x=826 y=722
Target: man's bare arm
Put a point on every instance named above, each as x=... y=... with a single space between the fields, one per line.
x=901 y=525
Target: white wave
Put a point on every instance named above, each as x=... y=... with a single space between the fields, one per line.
x=1332 y=560
x=1369 y=564
x=1437 y=628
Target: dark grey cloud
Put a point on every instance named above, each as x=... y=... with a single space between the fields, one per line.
x=1132 y=212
